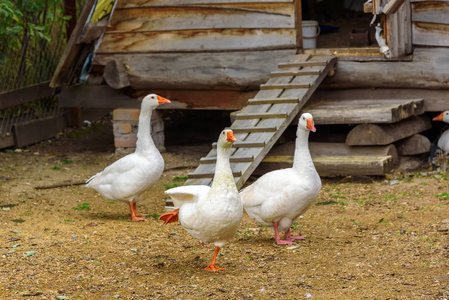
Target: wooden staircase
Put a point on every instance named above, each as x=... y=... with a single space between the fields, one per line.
x=259 y=125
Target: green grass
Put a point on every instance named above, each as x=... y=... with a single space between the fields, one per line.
x=83 y=206
x=443 y=196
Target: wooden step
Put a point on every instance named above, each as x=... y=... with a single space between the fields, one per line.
x=332 y=166
x=245 y=116
x=281 y=86
x=363 y=111
x=272 y=101
x=254 y=129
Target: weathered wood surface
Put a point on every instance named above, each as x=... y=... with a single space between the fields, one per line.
x=332 y=166
x=268 y=138
x=398 y=28
x=384 y=134
x=152 y=3
x=428 y=70
x=434 y=100
x=37 y=130
x=199 y=41
x=144 y=19
x=116 y=75
x=228 y=70
x=103 y=96
x=430 y=11
x=392 y=7
x=6 y=141
x=337 y=149
x=72 y=48
x=416 y=144
x=431 y=34
x=26 y=94
x=363 y=111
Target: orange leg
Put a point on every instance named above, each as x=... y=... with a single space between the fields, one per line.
x=212 y=267
x=288 y=236
x=133 y=212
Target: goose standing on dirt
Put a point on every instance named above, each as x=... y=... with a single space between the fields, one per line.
x=127 y=178
x=279 y=197
x=210 y=214
x=443 y=141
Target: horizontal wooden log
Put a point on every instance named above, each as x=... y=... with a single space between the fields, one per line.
x=431 y=11
x=198 y=41
x=26 y=94
x=363 y=111
x=115 y=74
x=428 y=70
x=332 y=166
x=164 y=18
x=37 y=130
x=198 y=71
x=435 y=100
x=416 y=144
x=430 y=34
x=384 y=134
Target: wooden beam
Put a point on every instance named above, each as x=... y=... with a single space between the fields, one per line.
x=274 y=86
x=332 y=166
x=247 y=116
x=116 y=75
x=384 y=134
x=37 y=130
x=392 y=6
x=27 y=94
x=272 y=101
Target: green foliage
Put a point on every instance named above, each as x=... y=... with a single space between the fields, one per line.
x=84 y=206
x=443 y=196
x=30 y=40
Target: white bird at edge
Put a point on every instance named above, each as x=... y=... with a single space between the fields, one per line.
x=279 y=197
x=210 y=214
x=129 y=177
x=443 y=141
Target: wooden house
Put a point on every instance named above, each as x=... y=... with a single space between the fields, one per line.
x=248 y=55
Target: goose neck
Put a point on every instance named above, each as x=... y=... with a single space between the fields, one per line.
x=144 y=140
x=302 y=155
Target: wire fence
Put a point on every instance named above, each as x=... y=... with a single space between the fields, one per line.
x=33 y=60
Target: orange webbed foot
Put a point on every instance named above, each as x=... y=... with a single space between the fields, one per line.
x=169 y=217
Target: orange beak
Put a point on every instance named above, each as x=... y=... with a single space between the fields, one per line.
x=231 y=137
x=162 y=100
x=310 y=125
x=439 y=117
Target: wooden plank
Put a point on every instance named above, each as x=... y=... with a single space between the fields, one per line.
x=213 y=159
x=384 y=134
x=431 y=12
x=272 y=101
x=392 y=6
x=6 y=141
x=199 y=71
x=37 y=130
x=416 y=144
x=254 y=129
x=198 y=41
x=430 y=34
x=152 y=3
x=72 y=48
x=103 y=96
x=323 y=61
x=363 y=111
x=284 y=86
x=336 y=149
x=144 y=19
x=331 y=166
x=301 y=72
x=243 y=116
x=26 y=94
x=435 y=100
x=210 y=175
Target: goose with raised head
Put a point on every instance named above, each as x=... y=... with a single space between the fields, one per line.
x=443 y=140
x=129 y=177
x=279 y=197
x=210 y=214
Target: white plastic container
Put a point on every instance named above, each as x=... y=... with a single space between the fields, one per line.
x=310 y=31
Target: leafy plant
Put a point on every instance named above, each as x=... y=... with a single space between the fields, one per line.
x=443 y=196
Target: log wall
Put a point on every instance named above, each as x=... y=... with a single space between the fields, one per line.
x=198 y=44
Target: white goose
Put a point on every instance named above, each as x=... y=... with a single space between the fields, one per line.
x=279 y=197
x=127 y=178
x=210 y=214
x=443 y=141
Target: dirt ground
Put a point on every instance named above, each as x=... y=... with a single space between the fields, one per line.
x=386 y=239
